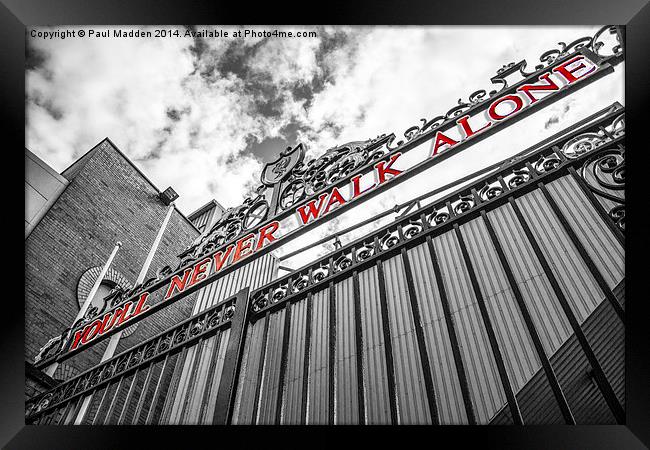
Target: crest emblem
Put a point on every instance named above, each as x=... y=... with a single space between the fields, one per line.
x=277 y=170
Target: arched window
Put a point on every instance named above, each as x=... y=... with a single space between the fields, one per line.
x=103 y=291
x=112 y=279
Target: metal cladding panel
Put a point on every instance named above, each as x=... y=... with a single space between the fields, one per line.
x=410 y=389
x=247 y=382
x=570 y=365
x=599 y=242
x=536 y=402
x=180 y=392
x=195 y=389
x=171 y=393
x=545 y=310
x=606 y=203
x=210 y=355
x=208 y=405
x=375 y=378
x=203 y=219
x=254 y=275
x=515 y=343
x=606 y=335
x=579 y=286
x=482 y=373
x=269 y=388
x=345 y=363
x=318 y=387
x=292 y=389
x=449 y=398
x=574 y=374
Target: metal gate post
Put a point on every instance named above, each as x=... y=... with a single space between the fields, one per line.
x=228 y=384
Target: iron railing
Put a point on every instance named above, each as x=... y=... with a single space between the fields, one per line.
x=591 y=152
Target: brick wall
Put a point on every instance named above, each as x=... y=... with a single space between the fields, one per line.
x=107 y=201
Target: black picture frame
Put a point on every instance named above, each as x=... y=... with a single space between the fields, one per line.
x=17 y=15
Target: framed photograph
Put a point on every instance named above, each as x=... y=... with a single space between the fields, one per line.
x=308 y=232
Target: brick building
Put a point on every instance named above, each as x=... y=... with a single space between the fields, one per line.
x=73 y=221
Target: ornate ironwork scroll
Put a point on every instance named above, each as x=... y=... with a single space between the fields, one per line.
x=291 y=180
x=604 y=171
x=202 y=325
x=297 y=179
x=599 y=152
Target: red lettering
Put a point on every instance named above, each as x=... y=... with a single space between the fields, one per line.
x=310 y=209
x=383 y=169
x=519 y=103
x=335 y=198
x=177 y=283
x=77 y=337
x=568 y=72
x=221 y=257
x=266 y=234
x=91 y=331
x=105 y=322
x=198 y=273
x=440 y=140
x=467 y=129
x=356 y=189
x=243 y=245
x=123 y=314
x=141 y=307
x=550 y=86
x=117 y=317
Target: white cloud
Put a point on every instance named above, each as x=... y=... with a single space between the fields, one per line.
x=378 y=80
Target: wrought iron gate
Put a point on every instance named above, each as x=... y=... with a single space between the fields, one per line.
x=451 y=314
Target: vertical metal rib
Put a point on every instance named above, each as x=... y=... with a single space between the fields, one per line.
x=532 y=331
x=583 y=253
x=359 y=345
x=260 y=370
x=66 y=411
x=211 y=368
x=305 y=369
x=388 y=344
x=618 y=234
x=283 y=363
x=75 y=411
x=174 y=382
x=505 y=381
x=332 y=350
x=189 y=392
x=127 y=400
x=601 y=381
x=419 y=334
x=143 y=394
x=453 y=338
x=113 y=401
x=156 y=393
x=101 y=405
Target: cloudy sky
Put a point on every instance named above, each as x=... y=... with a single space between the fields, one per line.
x=204 y=115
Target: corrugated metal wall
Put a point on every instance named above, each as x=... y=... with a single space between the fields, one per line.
x=207 y=357
x=324 y=328
x=375 y=376
x=203 y=220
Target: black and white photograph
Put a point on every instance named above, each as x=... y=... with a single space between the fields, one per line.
x=330 y=225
